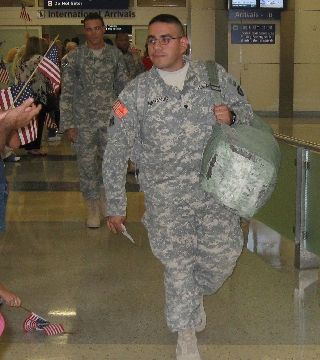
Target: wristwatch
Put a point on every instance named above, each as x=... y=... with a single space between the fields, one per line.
x=234 y=117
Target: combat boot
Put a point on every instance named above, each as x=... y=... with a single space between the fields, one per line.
x=93 y=216
x=187 y=348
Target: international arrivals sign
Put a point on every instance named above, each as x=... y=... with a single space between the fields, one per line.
x=114 y=14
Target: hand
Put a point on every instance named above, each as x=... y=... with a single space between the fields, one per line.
x=114 y=223
x=20 y=116
x=135 y=51
x=10 y=298
x=72 y=134
x=14 y=140
x=222 y=114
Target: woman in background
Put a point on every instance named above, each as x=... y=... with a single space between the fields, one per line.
x=41 y=86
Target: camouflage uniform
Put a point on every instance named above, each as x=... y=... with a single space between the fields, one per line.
x=133 y=68
x=197 y=239
x=90 y=84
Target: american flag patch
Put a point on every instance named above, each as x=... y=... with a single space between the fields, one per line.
x=119 y=109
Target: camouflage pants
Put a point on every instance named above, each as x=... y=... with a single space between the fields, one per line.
x=198 y=243
x=90 y=146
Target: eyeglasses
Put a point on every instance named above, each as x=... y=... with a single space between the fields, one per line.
x=95 y=29
x=163 y=40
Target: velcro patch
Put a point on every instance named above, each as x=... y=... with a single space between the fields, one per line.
x=119 y=109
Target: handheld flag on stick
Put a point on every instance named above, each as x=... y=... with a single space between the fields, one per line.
x=4 y=75
x=23 y=13
x=36 y=69
x=49 y=67
x=12 y=97
x=34 y=322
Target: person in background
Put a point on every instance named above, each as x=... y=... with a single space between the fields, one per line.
x=133 y=63
x=147 y=63
x=35 y=49
x=8 y=154
x=197 y=239
x=70 y=46
x=91 y=81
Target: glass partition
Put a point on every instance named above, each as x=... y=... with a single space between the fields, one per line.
x=313 y=203
x=280 y=211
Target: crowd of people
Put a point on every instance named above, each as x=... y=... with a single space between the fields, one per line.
x=161 y=119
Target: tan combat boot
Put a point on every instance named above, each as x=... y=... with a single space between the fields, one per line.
x=93 y=217
x=187 y=348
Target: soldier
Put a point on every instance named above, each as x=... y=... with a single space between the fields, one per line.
x=133 y=64
x=164 y=118
x=93 y=78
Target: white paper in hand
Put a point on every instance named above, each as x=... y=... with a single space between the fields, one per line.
x=126 y=234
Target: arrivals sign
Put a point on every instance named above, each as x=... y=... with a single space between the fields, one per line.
x=253 y=33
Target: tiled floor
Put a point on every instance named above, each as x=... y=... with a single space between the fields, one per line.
x=108 y=293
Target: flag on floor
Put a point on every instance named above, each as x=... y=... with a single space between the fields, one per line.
x=53 y=329
x=4 y=75
x=34 y=322
x=49 y=67
x=49 y=122
x=11 y=97
x=23 y=13
x=2 y=324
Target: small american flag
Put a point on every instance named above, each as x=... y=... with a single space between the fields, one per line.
x=49 y=67
x=4 y=75
x=23 y=13
x=49 y=122
x=53 y=329
x=34 y=322
x=8 y=99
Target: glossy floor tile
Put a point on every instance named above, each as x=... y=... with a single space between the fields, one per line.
x=108 y=293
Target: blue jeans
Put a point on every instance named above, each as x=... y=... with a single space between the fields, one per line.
x=3 y=197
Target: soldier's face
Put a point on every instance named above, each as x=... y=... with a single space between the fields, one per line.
x=122 y=42
x=93 y=31
x=166 y=55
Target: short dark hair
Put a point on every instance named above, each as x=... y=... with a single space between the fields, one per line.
x=169 y=19
x=121 y=33
x=93 y=16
